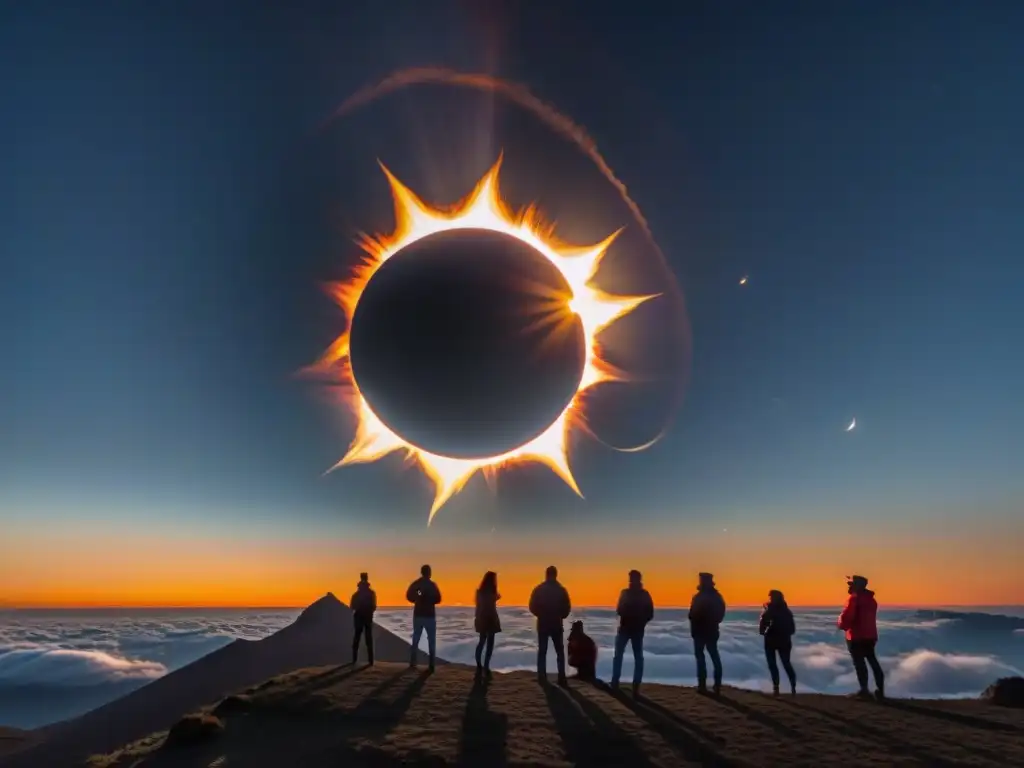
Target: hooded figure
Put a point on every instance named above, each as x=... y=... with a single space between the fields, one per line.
x=778 y=626
x=550 y=603
x=859 y=621
x=707 y=610
x=635 y=610
x=364 y=605
x=582 y=653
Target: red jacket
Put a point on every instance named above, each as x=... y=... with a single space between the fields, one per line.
x=858 y=617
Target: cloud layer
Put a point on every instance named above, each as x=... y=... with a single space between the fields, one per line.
x=56 y=664
x=921 y=655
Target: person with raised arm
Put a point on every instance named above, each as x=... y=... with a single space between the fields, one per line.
x=859 y=621
x=424 y=596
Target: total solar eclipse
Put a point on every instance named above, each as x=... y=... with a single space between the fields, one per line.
x=463 y=345
x=473 y=338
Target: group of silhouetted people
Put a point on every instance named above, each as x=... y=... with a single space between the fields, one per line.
x=551 y=605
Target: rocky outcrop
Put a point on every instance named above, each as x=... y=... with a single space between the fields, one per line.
x=1006 y=692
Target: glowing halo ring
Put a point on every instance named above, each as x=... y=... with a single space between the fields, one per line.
x=595 y=310
x=566 y=127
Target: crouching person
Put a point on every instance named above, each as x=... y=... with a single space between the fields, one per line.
x=582 y=653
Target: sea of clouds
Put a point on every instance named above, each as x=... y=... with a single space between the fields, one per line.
x=57 y=664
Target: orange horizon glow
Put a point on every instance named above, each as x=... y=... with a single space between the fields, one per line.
x=906 y=566
x=595 y=310
x=87 y=606
x=465 y=590
x=839 y=596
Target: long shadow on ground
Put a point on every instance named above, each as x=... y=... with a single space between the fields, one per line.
x=695 y=743
x=953 y=717
x=483 y=734
x=589 y=736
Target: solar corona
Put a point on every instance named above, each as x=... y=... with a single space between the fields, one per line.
x=579 y=302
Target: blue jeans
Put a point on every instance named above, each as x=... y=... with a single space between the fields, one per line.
x=636 y=639
x=558 y=640
x=420 y=623
x=709 y=643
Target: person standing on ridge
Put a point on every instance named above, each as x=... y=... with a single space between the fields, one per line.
x=364 y=605
x=424 y=596
x=778 y=627
x=550 y=603
x=707 y=610
x=859 y=620
x=635 y=610
x=487 y=623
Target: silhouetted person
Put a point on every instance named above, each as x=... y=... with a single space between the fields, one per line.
x=858 y=619
x=424 y=596
x=778 y=627
x=582 y=653
x=487 y=622
x=707 y=609
x=550 y=603
x=364 y=605
x=635 y=610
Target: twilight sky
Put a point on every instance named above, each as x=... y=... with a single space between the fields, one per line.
x=169 y=203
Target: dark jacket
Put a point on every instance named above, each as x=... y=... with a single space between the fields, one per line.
x=777 y=624
x=550 y=603
x=364 y=601
x=707 y=609
x=635 y=609
x=424 y=595
x=487 y=612
x=582 y=651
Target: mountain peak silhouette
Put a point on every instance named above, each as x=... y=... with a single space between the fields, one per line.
x=327 y=612
x=320 y=636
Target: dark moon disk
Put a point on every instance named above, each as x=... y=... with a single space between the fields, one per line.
x=460 y=347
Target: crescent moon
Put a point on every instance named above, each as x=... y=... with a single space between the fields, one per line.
x=853 y=425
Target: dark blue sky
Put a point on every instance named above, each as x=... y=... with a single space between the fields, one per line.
x=168 y=206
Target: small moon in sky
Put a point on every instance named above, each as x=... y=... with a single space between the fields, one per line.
x=743 y=280
x=852 y=426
